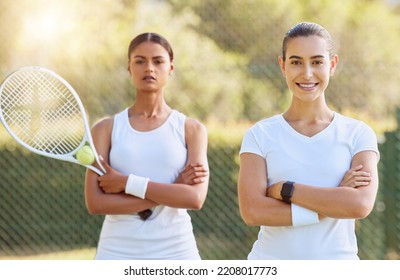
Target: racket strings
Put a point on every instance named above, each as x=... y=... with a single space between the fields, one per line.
x=42 y=112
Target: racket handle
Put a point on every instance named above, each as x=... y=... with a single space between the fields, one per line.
x=145 y=214
x=98 y=171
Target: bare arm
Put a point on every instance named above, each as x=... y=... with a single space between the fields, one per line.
x=255 y=207
x=346 y=201
x=184 y=195
x=190 y=189
x=99 y=202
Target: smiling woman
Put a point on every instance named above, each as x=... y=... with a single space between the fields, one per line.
x=320 y=167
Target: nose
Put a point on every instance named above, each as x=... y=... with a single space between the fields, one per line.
x=149 y=67
x=308 y=73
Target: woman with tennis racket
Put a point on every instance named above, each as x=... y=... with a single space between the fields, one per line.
x=156 y=166
x=306 y=175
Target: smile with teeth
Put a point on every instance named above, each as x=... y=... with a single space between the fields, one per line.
x=307 y=86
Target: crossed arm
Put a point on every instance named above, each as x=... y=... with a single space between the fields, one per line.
x=105 y=194
x=353 y=198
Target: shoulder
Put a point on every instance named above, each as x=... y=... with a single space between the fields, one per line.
x=266 y=125
x=357 y=133
x=261 y=136
x=268 y=122
x=342 y=119
x=194 y=127
x=191 y=125
x=103 y=125
x=107 y=123
x=351 y=124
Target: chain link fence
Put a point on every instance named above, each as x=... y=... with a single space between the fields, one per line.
x=42 y=208
x=226 y=75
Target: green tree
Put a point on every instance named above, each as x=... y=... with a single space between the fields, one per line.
x=366 y=32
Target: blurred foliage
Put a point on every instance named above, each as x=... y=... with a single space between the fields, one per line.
x=226 y=51
x=366 y=33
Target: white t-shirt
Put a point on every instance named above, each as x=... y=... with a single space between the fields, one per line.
x=320 y=160
x=160 y=155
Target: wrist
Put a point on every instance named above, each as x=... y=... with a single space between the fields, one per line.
x=287 y=191
x=303 y=216
x=136 y=186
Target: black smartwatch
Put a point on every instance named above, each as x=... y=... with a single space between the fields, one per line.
x=287 y=191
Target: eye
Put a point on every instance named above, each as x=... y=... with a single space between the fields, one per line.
x=139 y=61
x=158 y=61
x=295 y=62
x=318 y=62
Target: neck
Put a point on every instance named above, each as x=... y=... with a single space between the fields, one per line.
x=150 y=105
x=308 y=111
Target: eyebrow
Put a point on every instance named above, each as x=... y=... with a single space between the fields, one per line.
x=299 y=57
x=155 y=57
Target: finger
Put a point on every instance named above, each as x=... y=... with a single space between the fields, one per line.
x=361 y=173
x=363 y=179
x=200 y=174
x=198 y=180
x=195 y=165
x=357 y=167
x=200 y=168
x=186 y=169
x=187 y=172
x=361 y=184
x=100 y=179
x=197 y=171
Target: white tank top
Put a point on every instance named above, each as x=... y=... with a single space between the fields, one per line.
x=160 y=155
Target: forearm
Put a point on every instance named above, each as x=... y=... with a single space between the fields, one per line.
x=119 y=204
x=271 y=212
x=100 y=203
x=177 y=195
x=339 y=202
x=353 y=198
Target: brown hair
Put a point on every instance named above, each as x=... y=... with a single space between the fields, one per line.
x=150 y=37
x=305 y=29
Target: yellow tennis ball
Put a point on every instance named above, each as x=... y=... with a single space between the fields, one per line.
x=85 y=155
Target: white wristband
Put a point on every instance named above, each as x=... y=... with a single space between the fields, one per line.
x=303 y=216
x=136 y=186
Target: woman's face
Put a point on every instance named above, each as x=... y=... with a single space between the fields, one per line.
x=149 y=66
x=308 y=67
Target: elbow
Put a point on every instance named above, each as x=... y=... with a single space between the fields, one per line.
x=196 y=198
x=196 y=202
x=248 y=220
x=362 y=212
x=196 y=207
x=93 y=208
x=362 y=209
x=248 y=216
x=93 y=212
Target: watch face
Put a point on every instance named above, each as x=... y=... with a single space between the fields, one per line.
x=287 y=191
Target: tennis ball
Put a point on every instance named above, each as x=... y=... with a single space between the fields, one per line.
x=85 y=155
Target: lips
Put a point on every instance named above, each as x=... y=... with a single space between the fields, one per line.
x=308 y=86
x=149 y=78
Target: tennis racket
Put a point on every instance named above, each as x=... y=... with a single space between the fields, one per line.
x=44 y=114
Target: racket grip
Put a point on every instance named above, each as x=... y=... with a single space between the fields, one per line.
x=145 y=214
